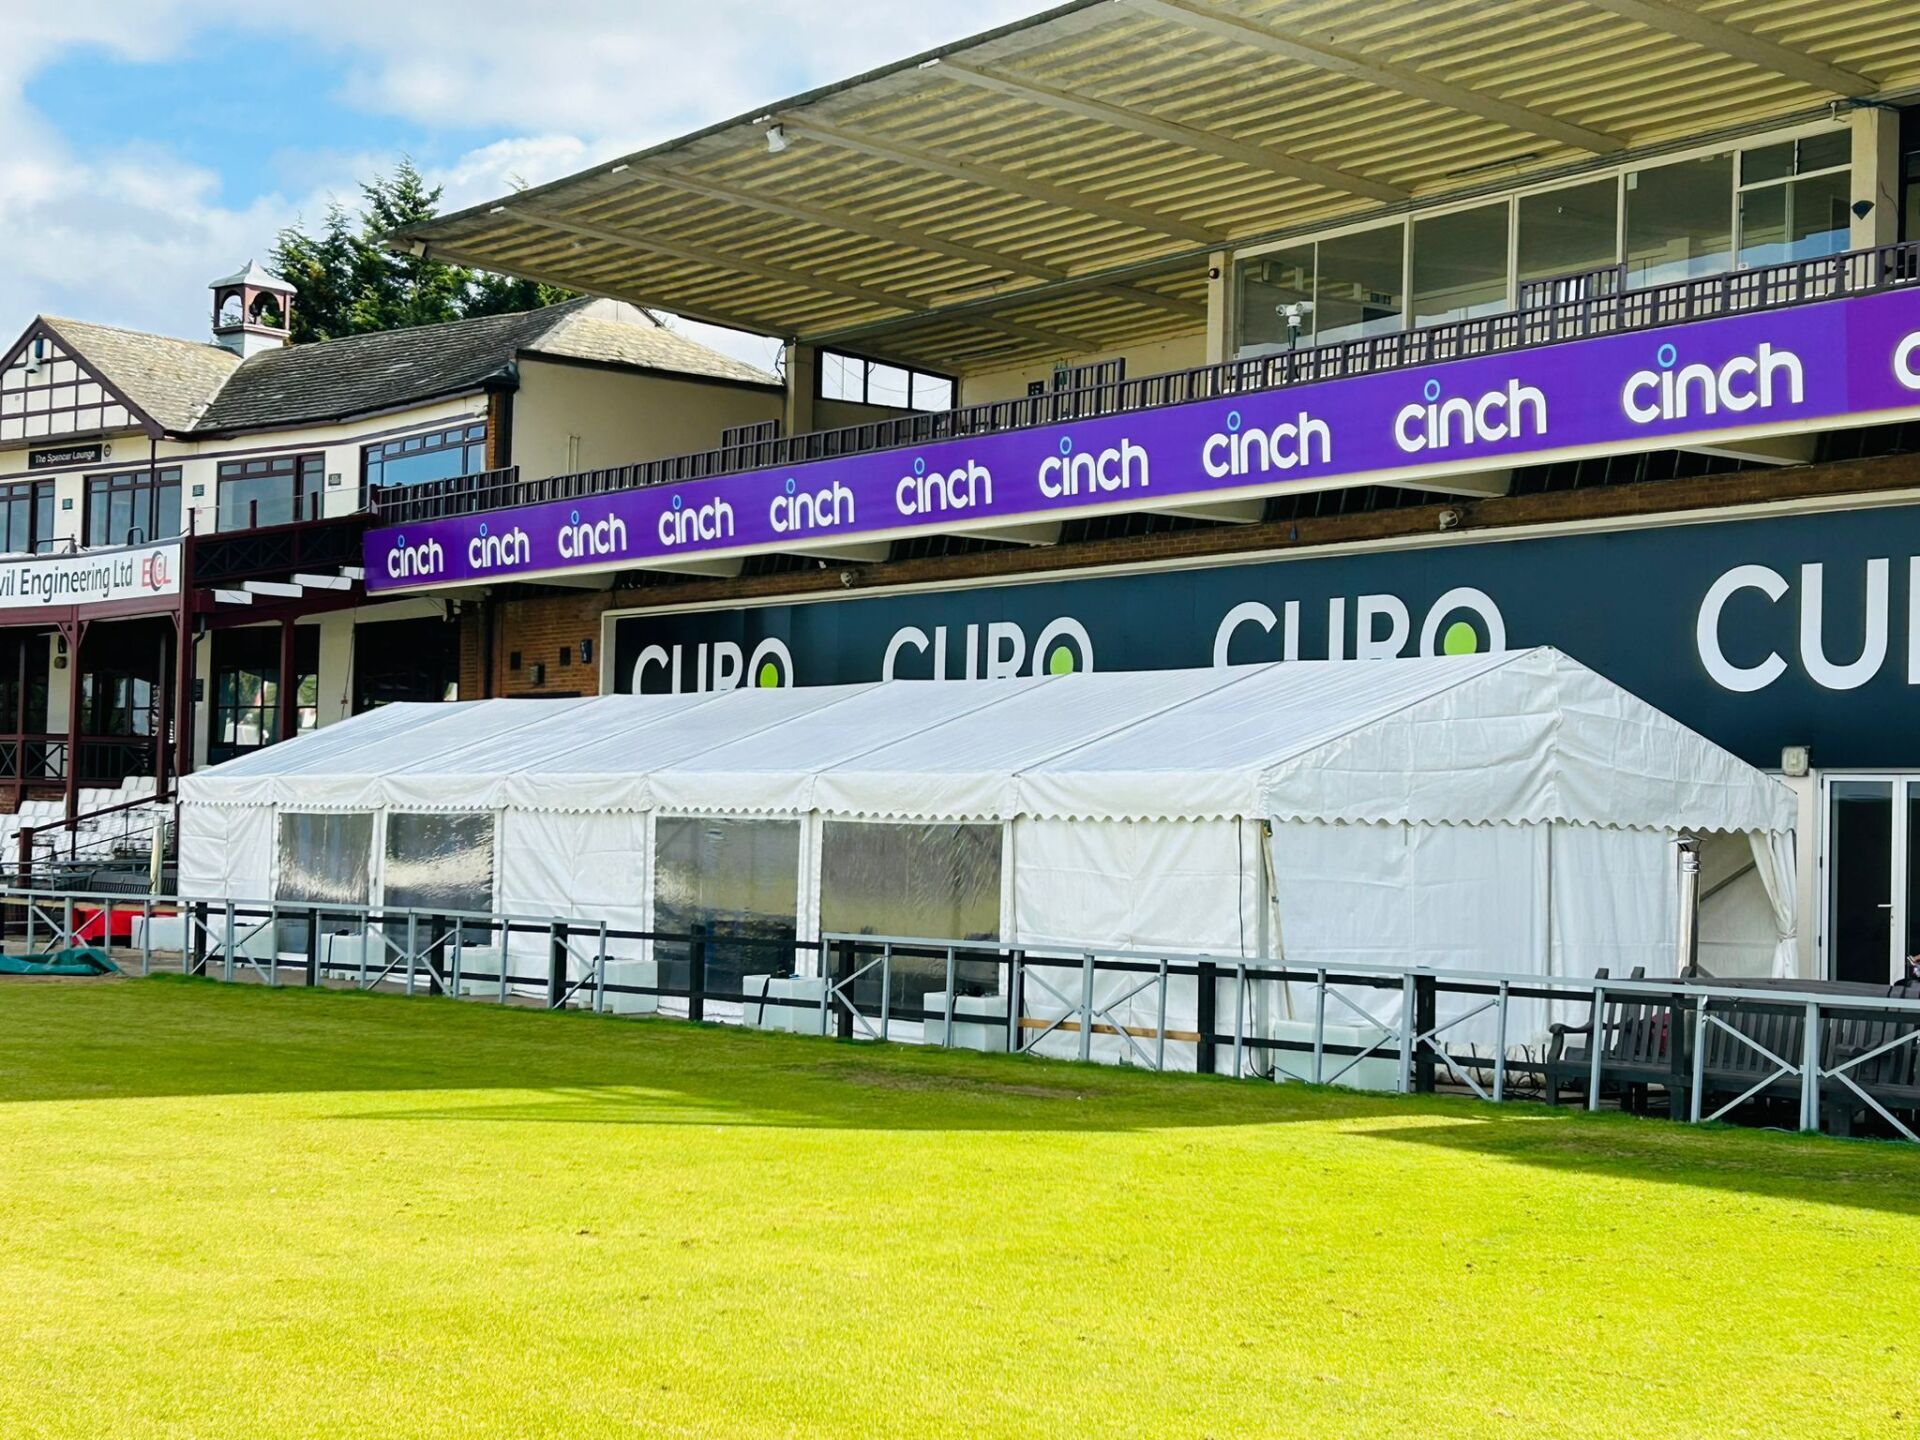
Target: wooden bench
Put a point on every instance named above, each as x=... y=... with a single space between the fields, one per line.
x=1636 y=1054
x=1891 y=1077
x=1639 y=1051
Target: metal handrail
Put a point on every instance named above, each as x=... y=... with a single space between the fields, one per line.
x=1554 y=310
x=403 y=946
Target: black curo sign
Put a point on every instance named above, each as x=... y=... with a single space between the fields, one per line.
x=1759 y=633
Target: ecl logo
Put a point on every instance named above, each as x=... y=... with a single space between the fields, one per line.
x=155 y=573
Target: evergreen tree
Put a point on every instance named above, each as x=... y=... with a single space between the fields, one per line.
x=350 y=283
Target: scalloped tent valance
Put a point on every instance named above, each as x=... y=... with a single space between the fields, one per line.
x=1521 y=737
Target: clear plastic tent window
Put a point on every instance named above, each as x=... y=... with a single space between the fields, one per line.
x=738 y=882
x=439 y=863
x=882 y=879
x=325 y=858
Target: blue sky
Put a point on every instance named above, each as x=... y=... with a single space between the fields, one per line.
x=147 y=146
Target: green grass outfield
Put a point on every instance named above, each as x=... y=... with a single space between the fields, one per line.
x=233 y=1213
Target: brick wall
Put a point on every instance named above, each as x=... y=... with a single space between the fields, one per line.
x=540 y=629
x=539 y=626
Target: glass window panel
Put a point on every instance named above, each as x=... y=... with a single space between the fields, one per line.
x=433 y=457
x=1680 y=221
x=1563 y=232
x=1860 y=867
x=842 y=377
x=932 y=392
x=1272 y=287
x=738 y=880
x=937 y=881
x=439 y=863
x=1460 y=265
x=1912 y=948
x=887 y=385
x=1766 y=162
x=1358 y=289
x=1800 y=220
x=1824 y=152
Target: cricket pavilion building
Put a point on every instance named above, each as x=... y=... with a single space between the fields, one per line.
x=1170 y=333
x=181 y=520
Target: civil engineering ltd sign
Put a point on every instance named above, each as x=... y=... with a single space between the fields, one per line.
x=90 y=578
x=1774 y=372
x=1758 y=633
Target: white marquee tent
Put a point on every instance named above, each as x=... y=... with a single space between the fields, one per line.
x=1513 y=812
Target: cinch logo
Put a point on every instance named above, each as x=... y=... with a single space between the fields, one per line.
x=154 y=574
x=1253 y=451
x=1904 y=369
x=1742 y=383
x=409 y=562
x=967 y=487
x=801 y=509
x=684 y=524
x=1440 y=424
x=492 y=552
x=1062 y=647
x=582 y=539
x=1090 y=472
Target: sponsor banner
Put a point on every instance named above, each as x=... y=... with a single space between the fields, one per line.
x=99 y=577
x=1774 y=370
x=1758 y=633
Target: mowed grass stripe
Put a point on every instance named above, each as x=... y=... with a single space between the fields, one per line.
x=226 y=1211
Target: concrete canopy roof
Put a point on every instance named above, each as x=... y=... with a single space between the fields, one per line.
x=1055 y=185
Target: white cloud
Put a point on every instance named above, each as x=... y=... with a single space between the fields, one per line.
x=131 y=235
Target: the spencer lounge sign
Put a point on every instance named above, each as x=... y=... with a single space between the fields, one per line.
x=1759 y=633
x=87 y=578
x=1742 y=374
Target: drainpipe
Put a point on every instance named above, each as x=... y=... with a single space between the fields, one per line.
x=1688 y=950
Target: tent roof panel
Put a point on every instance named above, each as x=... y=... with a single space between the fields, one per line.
x=1517 y=737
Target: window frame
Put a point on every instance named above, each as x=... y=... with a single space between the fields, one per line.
x=914 y=375
x=152 y=482
x=374 y=455
x=1618 y=171
x=298 y=466
x=34 y=493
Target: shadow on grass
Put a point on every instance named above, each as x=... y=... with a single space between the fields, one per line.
x=180 y=1038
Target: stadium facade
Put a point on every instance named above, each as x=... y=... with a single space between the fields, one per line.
x=1168 y=333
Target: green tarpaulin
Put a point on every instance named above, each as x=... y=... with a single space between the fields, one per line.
x=81 y=960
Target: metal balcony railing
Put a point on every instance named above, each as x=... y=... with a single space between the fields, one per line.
x=1578 y=306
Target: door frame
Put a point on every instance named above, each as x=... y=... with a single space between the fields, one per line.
x=1903 y=788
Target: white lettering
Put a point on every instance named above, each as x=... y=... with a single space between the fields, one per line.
x=1254 y=451
x=685 y=524
x=1497 y=415
x=1742 y=383
x=967 y=487
x=1093 y=472
x=1873 y=646
x=1741 y=679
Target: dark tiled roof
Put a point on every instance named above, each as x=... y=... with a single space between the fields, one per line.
x=333 y=379
x=172 y=380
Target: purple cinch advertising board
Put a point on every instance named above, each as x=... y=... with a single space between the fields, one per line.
x=1767 y=372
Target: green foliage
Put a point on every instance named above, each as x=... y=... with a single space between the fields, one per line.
x=350 y=283
x=231 y=1211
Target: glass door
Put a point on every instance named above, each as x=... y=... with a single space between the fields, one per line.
x=1871 y=869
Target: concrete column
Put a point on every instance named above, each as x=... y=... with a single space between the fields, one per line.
x=803 y=383
x=1876 y=177
x=1220 y=306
